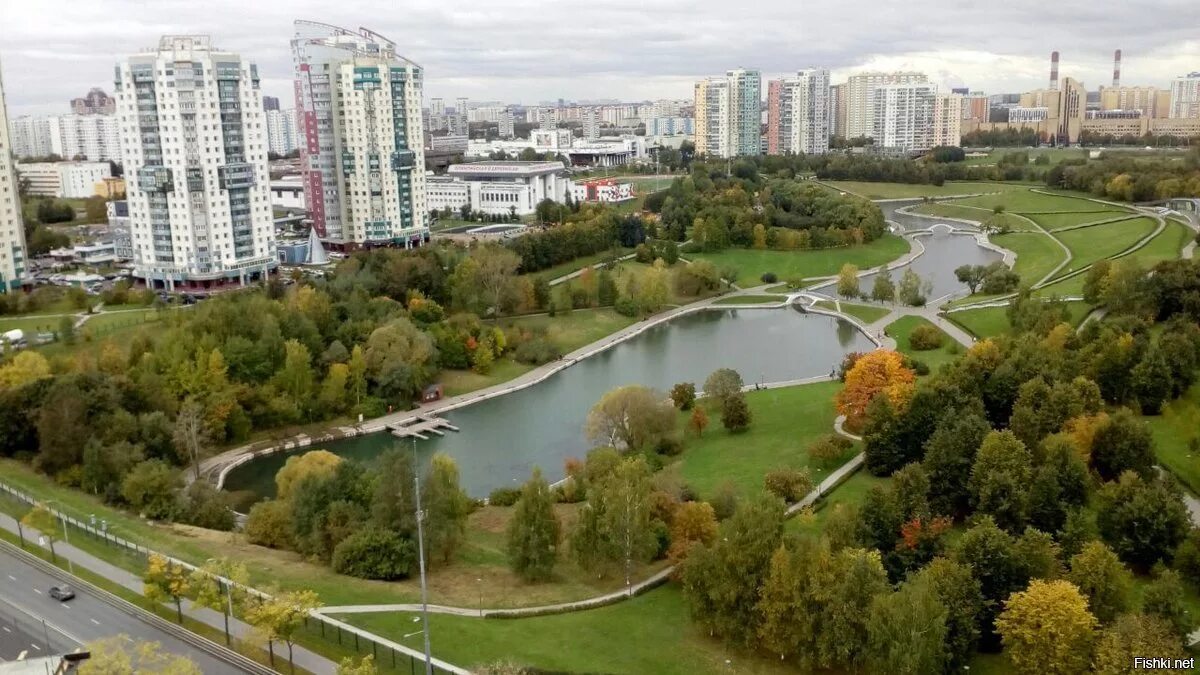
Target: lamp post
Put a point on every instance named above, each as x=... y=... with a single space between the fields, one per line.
x=421 y=558
x=66 y=536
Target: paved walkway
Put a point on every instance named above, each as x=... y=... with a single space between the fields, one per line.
x=304 y=658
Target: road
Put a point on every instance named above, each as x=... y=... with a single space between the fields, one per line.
x=23 y=588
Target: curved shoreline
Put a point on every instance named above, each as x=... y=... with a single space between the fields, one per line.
x=226 y=462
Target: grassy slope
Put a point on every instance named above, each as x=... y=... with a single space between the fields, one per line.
x=906 y=190
x=1052 y=221
x=1102 y=241
x=1037 y=254
x=552 y=273
x=1174 y=430
x=1027 y=201
x=900 y=330
x=785 y=420
x=953 y=210
x=865 y=313
x=990 y=321
x=752 y=264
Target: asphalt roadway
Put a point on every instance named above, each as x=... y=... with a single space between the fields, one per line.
x=25 y=589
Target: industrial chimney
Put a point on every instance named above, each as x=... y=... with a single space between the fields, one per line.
x=1117 y=68
x=1054 y=70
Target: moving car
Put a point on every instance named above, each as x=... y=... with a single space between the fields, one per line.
x=62 y=593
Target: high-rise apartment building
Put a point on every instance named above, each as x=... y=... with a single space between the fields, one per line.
x=591 y=123
x=96 y=102
x=1151 y=102
x=975 y=106
x=903 y=116
x=729 y=114
x=359 y=108
x=31 y=136
x=96 y=138
x=947 y=119
x=194 y=143
x=12 y=232
x=837 y=110
x=461 y=120
x=270 y=103
x=1185 y=96
x=860 y=98
x=507 y=125
x=798 y=114
x=282 y=134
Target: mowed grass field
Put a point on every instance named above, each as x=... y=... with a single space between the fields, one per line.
x=752 y=264
x=978 y=215
x=1037 y=254
x=901 y=329
x=1177 y=437
x=907 y=190
x=784 y=422
x=992 y=321
x=1090 y=244
x=1054 y=221
x=1024 y=200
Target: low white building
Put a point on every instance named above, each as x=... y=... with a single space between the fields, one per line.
x=605 y=151
x=449 y=143
x=71 y=180
x=603 y=190
x=498 y=187
x=288 y=192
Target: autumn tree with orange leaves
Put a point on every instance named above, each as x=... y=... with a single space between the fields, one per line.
x=881 y=371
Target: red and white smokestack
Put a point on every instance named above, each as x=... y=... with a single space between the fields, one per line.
x=1054 y=70
x=1117 y=68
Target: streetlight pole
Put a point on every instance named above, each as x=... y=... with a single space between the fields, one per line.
x=421 y=558
x=66 y=536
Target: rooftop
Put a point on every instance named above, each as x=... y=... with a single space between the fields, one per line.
x=505 y=168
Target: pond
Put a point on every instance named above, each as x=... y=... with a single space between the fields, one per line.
x=503 y=438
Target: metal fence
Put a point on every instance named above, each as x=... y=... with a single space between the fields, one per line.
x=388 y=654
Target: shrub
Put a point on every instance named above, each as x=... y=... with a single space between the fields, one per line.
x=684 y=395
x=790 y=485
x=828 y=449
x=375 y=554
x=735 y=414
x=536 y=351
x=724 y=501
x=269 y=524
x=925 y=337
x=668 y=446
x=769 y=278
x=626 y=306
x=504 y=496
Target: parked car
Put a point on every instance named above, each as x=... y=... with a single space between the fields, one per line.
x=62 y=593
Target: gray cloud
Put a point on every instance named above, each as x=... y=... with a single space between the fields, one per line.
x=527 y=50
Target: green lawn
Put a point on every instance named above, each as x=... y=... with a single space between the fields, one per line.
x=1037 y=254
x=785 y=421
x=563 y=269
x=1175 y=431
x=750 y=300
x=852 y=491
x=1055 y=155
x=1027 y=201
x=906 y=190
x=991 y=321
x=1166 y=246
x=651 y=633
x=1053 y=221
x=1103 y=241
x=457 y=382
x=752 y=264
x=864 y=313
x=900 y=330
x=979 y=215
x=31 y=324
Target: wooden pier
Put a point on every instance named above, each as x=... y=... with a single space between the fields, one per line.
x=420 y=426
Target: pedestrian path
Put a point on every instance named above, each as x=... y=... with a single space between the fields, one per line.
x=304 y=658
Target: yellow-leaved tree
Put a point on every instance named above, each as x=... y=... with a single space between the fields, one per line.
x=1047 y=628
x=165 y=581
x=120 y=654
x=879 y=372
x=280 y=617
x=297 y=468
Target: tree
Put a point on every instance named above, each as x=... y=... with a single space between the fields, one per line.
x=991 y=555
x=220 y=585
x=534 y=531
x=1163 y=599
x=364 y=666
x=1102 y=579
x=314 y=463
x=949 y=455
x=883 y=289
x=1123 y=443
x=1143 y=521
x=606 y=289
x=735 y=413
x=151 y=489
x=879 y=372
x=1000 y=479
x=1152 y=380
x=698 y=421
x=43 y=520
x=959 y=593
x=26 y=367
x=400 y=359
x=847 y=285
x=684 y=395
x=279 y=617
x=780 y=599
x=721 y=384
x=375 y=553
x=1135 y=636
x=165 y=580
x=191 y=433
x=907 y=631
x=269 y=524
x=1048 y=629
x=860 y=577
x=121 y=654
x=445 y=508
x=971 y=275
x=912 y=290
x=694 y=523
x=633 y=415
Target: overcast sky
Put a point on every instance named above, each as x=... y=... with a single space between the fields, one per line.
x=530 y=50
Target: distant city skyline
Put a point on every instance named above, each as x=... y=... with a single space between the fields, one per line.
x=529 y=52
